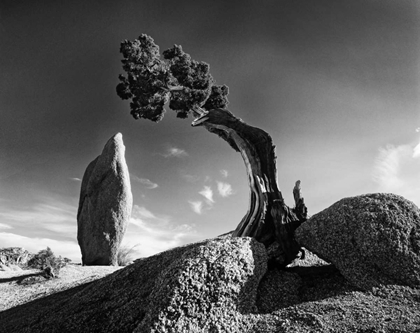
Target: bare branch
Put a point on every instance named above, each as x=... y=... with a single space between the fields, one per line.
x=201 y=112
x=176 y=88
x=300 y=208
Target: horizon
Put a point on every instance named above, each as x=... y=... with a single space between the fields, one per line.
x=334 y=83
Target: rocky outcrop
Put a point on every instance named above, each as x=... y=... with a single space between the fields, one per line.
x=372 y=239
x=208 y=288
x=105 y=205
x=211 y=286
x=204 y=287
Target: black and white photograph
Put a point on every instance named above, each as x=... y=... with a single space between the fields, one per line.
x=210 y=166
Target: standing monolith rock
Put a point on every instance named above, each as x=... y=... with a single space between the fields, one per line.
x=105 y=205
x=372 y=239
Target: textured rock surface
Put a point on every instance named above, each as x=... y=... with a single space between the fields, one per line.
x=316 y=297
x=105 y=205
x=273 y=295
x=208 y=288
x=203 y=287
x=372 y=239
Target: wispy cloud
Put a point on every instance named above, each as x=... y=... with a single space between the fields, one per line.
x=207 y=193
x=5 y=226
x=155 y=232
x=143 y=213
x=388 y=164
x=224 y=173
x=68 y=249
x=50 y=222
x=53 y=223
x=175 y=152
x=190 y=178
x=224 y=189
x=144 y=181
x=196 y=206
x=76 y=179
x=397 y=170
x=44 y=213
x=416 y=151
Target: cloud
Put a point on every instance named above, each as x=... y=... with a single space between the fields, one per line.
x=144 y=181
x=53 y=223
x=224 y=173
x=207 y=192
x=5 y=226
x=152 y=233
x=387 y=165
x=224 y=189
x=143 y=213
x=199 y=207
x=175 y=152
x=76 y=179
x=196 y=206
x=50 y=222
x=66 y=249
x=416 y=151
x=53 y=215
x=190 y=178
x=397 y=170
x=48 y=212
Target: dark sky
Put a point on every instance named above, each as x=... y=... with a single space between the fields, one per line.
x=336 y=84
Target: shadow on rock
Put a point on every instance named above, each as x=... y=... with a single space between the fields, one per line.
x=280 y=289
x=26 y=279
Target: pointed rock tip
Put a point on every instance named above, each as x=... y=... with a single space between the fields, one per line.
x=114 y=143
x=117 y=138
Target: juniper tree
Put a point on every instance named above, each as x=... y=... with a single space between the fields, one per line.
x=153 y=81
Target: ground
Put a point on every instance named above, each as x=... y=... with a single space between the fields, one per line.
x=309 y=296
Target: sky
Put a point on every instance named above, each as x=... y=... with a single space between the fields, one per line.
x=336 y=83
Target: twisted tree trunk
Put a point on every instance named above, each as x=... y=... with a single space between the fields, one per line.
x=268 y=218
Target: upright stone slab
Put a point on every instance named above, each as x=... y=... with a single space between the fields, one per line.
x=105 y=205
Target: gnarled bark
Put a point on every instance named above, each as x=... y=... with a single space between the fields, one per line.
x=268 y=218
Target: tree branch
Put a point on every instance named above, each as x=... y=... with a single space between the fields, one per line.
x=300 y=209
x=176 y=88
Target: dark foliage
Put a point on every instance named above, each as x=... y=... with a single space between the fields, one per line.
x=48 y=262
x=150 y=81
x=218 y=98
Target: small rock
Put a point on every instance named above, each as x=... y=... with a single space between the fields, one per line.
x=49 y=272
x=30 y=280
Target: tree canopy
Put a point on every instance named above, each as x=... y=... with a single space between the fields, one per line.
x=151 y=81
